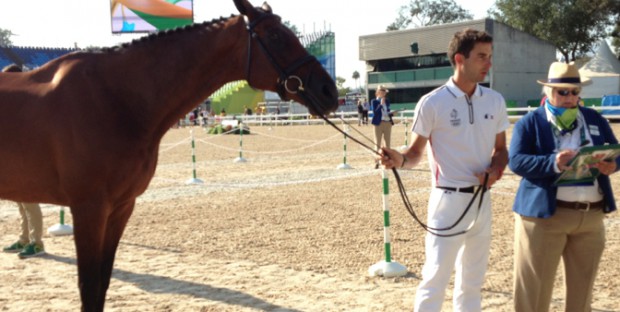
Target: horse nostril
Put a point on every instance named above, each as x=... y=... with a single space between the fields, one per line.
x=328 y=91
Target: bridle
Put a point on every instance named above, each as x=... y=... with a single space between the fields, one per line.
x=285 y=74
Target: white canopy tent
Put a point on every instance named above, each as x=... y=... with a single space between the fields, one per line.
x=604 y=71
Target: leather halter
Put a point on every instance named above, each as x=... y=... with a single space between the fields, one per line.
x=285 y=74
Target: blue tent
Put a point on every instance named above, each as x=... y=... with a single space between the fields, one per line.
x=611 y=100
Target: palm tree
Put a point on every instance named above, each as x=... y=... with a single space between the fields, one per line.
x=356 y=76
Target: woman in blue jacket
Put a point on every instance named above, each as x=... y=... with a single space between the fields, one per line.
x=381 y=118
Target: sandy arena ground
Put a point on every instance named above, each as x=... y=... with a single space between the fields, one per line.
x=285 y=231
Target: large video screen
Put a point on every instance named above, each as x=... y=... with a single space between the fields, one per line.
x=133 y=16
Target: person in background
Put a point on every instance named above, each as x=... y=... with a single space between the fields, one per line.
x=30 y=242
x=555 y=222
x=365 y=107
x=360 y=112
x=381 y=119
x=463 y=127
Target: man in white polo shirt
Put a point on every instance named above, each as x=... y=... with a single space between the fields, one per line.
x=464 y=125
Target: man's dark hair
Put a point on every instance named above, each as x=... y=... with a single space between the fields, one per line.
x=13 y=68
x=464 y=41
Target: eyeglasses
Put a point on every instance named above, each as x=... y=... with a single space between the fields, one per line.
x=574 y=92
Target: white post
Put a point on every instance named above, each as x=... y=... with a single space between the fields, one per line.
x=194 y=179
x=386 y=267
x=344 y=164
x=61 y=228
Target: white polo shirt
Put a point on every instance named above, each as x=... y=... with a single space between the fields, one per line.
x=461 y=132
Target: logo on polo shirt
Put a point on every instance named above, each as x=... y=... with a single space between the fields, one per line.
x=454 y=118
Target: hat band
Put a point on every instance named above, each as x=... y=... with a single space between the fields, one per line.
x=564 y=80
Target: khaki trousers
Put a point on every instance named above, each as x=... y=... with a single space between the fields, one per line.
x=384 y=129
x=577 y=237
x=32 y=223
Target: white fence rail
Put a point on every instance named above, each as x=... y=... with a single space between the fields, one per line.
x=612 y=113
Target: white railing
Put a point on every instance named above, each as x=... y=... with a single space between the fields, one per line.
x=351 y=117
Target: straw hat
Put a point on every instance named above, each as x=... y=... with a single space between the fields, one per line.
x=562 y=75
x=383 y=88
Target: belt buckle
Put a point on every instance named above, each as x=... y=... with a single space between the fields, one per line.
x=584 y=203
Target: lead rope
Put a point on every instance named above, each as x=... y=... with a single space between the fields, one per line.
x=310 y=100
x=403 y=193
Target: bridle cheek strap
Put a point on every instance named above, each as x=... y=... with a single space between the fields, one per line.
x=285 y=75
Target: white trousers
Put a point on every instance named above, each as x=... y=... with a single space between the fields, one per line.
x=467 y=253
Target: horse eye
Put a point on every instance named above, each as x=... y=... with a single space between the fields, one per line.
x=274 y=37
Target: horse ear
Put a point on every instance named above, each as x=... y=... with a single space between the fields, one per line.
x=242 y=6
x=266 y=7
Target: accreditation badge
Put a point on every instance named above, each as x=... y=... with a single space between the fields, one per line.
x=594 y=130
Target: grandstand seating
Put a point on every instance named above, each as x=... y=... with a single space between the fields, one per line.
x=4 y=59
x=30 y=57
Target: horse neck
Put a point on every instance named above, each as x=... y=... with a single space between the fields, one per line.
x=181 y=69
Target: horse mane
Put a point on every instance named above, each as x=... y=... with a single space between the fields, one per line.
x=161 y=34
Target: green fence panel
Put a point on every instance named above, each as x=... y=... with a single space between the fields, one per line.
x=405 y=76
x=403 y=107
x=439 y=73
x=592 y=102
x=443 y=73
x=387 y=77
x=425 y=74
x=373 y=78
x=533 y=103
x=511 y=104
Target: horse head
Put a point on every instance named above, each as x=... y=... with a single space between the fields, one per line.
x=275 y=51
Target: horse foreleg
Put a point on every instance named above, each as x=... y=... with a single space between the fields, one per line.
x=114 y=231
x=89 y=226
x=97 y=231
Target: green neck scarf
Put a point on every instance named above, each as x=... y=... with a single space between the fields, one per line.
x=564 y=117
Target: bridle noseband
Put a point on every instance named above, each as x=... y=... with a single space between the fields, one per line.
x=285 y=74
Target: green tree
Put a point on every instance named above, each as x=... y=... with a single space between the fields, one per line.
x=342 y=90
x=356 y=76
x=615 y=40
x=573 y=26
x=422 y=13
x=615 y=33
x=5 y=37
x=292 y=27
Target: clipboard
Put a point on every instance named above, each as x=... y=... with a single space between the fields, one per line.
x=581 y=170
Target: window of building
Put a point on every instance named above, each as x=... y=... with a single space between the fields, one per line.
x=411 y=62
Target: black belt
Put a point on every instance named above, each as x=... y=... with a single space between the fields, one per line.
x=585 y=206
x=469 y=189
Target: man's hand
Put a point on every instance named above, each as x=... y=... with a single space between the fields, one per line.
x=563 y=157
x=605 y=167
x=390 y=158
x=494 y=176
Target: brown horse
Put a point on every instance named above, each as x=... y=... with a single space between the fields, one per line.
x=84 y=130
